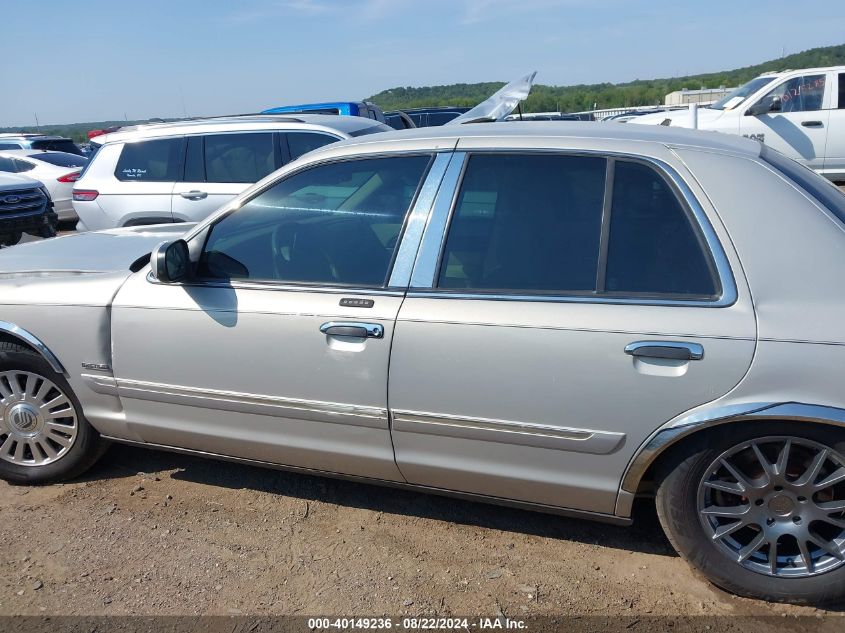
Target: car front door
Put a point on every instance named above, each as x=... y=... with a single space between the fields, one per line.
x=277 y=348
x=797 y=123
x=218 y=167
x=576 y=303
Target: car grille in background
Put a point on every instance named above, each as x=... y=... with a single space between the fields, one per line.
x=20 y=203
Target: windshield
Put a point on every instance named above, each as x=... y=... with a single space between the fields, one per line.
x=735 y=97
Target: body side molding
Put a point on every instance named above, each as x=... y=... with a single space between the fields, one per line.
x=33 y=341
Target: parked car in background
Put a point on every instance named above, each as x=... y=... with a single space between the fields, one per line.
x=184 y=170
x=800 y=113
x=341 y=108
x=25 y=207
x=570 y=314
x=57 y=171
x=38 y=141
x=422 y=117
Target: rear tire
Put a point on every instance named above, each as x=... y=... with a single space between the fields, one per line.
x=752 y=511
x=44 y=437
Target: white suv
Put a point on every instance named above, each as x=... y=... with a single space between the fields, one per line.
x=800 y=113
x=183 y=171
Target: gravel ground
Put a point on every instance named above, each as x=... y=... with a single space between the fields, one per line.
x=157 y=533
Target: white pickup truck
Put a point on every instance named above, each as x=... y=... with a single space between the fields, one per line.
x=800 y=113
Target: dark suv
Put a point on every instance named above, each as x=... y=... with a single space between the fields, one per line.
x=25 y=207
x=39 y=141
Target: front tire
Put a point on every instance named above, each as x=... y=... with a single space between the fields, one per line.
x=760 y=510
x=44 y=437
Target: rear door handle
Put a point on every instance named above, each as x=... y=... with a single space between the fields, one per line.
x=194 y=195
x=811 y=123
x=665 y=349
x=353 y=328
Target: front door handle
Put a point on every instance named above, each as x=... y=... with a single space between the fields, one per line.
x=353 y=328
x=665 y=349
x=194 y=195
x=811 y=123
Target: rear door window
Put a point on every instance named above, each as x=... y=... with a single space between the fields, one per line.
x=242 y=157
x=300 y=143
x=842 y=91
x=526 y=224
x=653 y=247
x=158 y=160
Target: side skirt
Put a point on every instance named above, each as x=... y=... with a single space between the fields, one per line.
x=510 y=503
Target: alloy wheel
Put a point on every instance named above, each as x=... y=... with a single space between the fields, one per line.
x=776 y=506
x=38 y=422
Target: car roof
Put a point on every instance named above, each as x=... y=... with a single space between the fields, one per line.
x=33 y=137
x=510 y=131
x=345 y=125
x=34 y=153
x=803 y=71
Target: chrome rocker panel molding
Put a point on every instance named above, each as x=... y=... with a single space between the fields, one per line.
x=507 y=432
x=500 y=501
x=686 y=425
x=35 y=342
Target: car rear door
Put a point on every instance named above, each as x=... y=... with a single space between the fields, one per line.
x=799 y=129
x=220 y=166
x=576 y=303
x=277 y=350
x=834 y=162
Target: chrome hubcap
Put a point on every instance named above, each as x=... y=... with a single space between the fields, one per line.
x=776 y=506
x=38 y=423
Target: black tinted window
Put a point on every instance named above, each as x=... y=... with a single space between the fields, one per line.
x=7 y=165
x=653 y=248
x=301 y=143
x=194 y=160
x=57 y=145
x=10 y=146
x=239 y=157
x=23 y=165
x=151 y=161
x=526 y=224
x=841 y=91
x=61 y=159
x=332 y=224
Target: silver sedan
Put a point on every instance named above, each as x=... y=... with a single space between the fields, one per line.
x=559 y=316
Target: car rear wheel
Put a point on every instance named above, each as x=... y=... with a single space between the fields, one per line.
x=760 y=511
x=43 y=435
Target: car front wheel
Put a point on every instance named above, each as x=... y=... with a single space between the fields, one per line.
x=43 y=436
x=760 y=510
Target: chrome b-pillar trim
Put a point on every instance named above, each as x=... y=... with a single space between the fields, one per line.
x=33 y=341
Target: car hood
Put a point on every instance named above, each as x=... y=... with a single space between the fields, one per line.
x=679 y=118
x=91 y=252
x=15 y=181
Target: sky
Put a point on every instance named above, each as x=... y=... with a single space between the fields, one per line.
x=94 y=60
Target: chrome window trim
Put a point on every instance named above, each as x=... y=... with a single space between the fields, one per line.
x=30 y=339
x=235 y=284
x=426 y=267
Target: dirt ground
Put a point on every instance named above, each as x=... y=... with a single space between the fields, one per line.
x=156 y=533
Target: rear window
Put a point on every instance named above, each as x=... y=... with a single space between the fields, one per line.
x=10 y=146
x=151 y=161
x=61 y=159
x=819 y=187
x=300 y=143
x=57 y=145
x=381 y=127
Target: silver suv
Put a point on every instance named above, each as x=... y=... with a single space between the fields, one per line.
x=183 y=171
x=559 y=316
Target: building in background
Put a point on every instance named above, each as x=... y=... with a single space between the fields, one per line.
x=704 y=95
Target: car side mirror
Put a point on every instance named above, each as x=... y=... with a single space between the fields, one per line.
x=170 y=262
x=768 y=104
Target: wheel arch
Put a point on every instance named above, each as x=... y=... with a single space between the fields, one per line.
x=660 y=443
x=16 y=334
